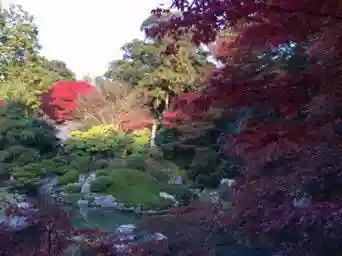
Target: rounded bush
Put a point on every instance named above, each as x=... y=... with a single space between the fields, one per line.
x=136 y=161
x=102 y=172
x=100 y=184
x=69 y=177
x=72 y=188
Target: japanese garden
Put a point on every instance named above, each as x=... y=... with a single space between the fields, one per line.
x=216 y=134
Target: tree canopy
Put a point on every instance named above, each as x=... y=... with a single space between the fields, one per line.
x=145 y=63
x=24 y=72
x=268 y=116
x=288 y=192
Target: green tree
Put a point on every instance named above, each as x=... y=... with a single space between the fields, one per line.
x=60 y=69
x=145 y=63
x=25 y=74
x=19 y=41
x=24 y=140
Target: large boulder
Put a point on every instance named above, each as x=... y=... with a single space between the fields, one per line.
x=127 y=238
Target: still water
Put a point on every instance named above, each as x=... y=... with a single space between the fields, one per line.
x=106 y=220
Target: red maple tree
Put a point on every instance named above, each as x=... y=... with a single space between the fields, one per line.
x=289 y=194
x=61 y=100
x=65 y=97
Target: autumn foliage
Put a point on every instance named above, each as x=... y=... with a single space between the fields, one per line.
x=62 y=98
x=48 y=232
x=289 y=194
x=114 y=103
x=191 y=230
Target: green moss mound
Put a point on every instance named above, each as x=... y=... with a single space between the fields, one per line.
x=135 y=187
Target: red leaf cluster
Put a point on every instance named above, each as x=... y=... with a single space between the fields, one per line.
x=177 y=108
x=136 y=121
x=46 y=235
x=296 y=154
x=191 y=230
x=61 y=100
x=48 y=232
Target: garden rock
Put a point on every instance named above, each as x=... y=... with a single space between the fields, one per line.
x=177 y=180
x=86 y=187
x=226 y=188
x=48 y=186
x=139 y=208
x=207 y=195
x=18 y=223
x=126 y=238
x=82 y=203
x=167 y=196
x=228 y=182
x=81 y=179
x=105 y=201
x=125 y=229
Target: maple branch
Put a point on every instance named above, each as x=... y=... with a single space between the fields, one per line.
x=323 y=15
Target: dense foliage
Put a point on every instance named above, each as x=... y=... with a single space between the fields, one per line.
x=115 y=104
x=267 y=116
x=61 y=99
x=24 y=139
x=145 y=64
x=112 y=142
x=30 y=152
x=289 y=193
x=24 y=73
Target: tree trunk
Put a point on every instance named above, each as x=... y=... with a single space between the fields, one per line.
x=153 y=133
x=167 y=101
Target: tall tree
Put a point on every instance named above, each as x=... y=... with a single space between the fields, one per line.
x=25 y=74
x=145 y=63
x=60 y=69
x=19 y=41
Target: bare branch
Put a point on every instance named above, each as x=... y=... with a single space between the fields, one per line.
x=113 y=103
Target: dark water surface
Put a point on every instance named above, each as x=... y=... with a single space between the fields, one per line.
x=107 y=220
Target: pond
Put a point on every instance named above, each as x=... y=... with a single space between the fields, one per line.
x=105 y=219
x=109 y=220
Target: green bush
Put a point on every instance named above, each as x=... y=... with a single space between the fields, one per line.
x=180 y=192
x=136 y=161
x=100 y=164
x=25 y=141
x=55 y=166
x=100 y=184
x=140 y=138
x=117 y=163
x=102 y=172
x=19 y=154
x=102 y=141
x=35 y=169
x=19 y=128
x=72 y=188
x=81 y=163
x=23 y=178
x=141 y=150
x=70 y=176
x=164 y=170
